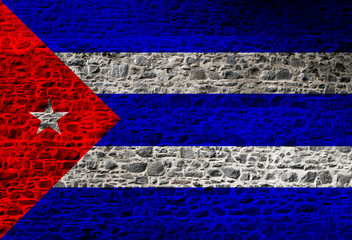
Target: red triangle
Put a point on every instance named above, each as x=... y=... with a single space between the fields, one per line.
x=31 y=163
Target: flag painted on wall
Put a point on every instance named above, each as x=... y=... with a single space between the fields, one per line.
x=50 y=119
x=175 y=120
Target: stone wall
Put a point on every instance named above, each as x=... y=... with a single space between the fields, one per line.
x=192 y=214
x=213 y=72
x=212 y=166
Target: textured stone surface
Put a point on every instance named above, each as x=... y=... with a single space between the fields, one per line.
x=213 y=72
x=212 y=167
x=39 y=143
x=189 y=26
x=189 y=213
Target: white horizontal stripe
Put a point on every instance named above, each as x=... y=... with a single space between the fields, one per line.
x=212 y=167
x=213 y=72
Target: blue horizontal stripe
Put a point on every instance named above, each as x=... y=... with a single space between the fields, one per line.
x=189 y=26
x=229 y=120
x=184 y=213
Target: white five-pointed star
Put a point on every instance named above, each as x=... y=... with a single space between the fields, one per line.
x=48 y=118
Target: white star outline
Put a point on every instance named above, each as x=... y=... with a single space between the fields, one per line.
x=48 y=118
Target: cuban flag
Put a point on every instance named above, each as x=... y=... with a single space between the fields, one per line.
x=175 y=119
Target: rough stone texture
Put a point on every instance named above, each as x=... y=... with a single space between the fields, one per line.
x=212 y=167
x=189 y=26
x=33 y=157
x=213 y=72
x=189 y=213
